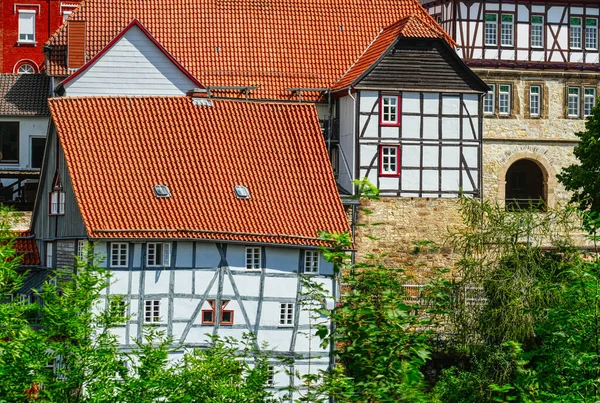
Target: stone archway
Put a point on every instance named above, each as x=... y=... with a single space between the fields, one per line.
x=527 y=167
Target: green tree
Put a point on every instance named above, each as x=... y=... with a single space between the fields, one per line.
x=61 y=348
x=583 y=178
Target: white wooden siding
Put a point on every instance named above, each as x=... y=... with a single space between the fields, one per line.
x=134 y=65
x=347 y=138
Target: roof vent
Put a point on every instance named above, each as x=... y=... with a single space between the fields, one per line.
x=161 y=191
x=241 y=192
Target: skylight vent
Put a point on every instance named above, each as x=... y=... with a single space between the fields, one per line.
x=241 y=192
x=161 y=191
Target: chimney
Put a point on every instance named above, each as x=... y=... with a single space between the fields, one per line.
x=75 y=44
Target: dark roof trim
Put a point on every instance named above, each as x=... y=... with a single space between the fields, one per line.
x=460 y=62
x=138 y=24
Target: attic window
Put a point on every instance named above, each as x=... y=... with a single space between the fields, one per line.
x=241 y=192
x=162 y=191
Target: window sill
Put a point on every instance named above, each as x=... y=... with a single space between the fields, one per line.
x=26 y=43
x=285 y=326
x=389 y=175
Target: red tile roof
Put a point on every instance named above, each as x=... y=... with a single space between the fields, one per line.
x=118 y=148
x=25 y=246
x=272 y=44
x=409 y=27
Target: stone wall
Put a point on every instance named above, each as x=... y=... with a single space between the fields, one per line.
x=547 y=140
x=400 y=223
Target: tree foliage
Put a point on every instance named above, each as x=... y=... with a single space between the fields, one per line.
x=583 y=178
x=62 y=349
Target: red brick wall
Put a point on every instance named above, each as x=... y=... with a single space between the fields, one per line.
x=48 y=18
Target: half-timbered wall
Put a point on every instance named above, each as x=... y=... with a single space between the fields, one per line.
x=201 y=271
x=550 y=44
x=438 y=142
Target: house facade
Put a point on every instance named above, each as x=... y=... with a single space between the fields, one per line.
x=540 y=59
x=294 y=62
x=25 y=26
x=190 y=224
x=23 y=126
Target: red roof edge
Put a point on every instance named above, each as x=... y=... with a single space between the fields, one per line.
x=137 y=23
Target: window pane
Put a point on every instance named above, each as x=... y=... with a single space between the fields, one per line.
x=534 y=101
x=573 y=102
x=591 y=33
x=504 y=99
x=9 y=142
x=575 y=33
x=27 y=26
x=38 y=145
x=491 y=29
x=537 y=31
x=507 y=30
x=488 y=100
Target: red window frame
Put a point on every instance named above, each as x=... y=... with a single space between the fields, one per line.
x=388 y=174
x=212 y=304
x=395 y=123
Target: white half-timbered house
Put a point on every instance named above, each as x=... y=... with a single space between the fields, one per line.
x=410 y=116
x=541 y=60
x=206 y=211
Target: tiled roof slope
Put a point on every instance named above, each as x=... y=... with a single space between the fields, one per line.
x=26 y=247
x=409 y=27
x=24 y=94
x=118 y=148
x=272 y=44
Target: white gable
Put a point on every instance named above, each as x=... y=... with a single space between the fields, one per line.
x=134 y=65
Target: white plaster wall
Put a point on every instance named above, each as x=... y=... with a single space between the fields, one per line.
x=134 y=65
x=28 y=127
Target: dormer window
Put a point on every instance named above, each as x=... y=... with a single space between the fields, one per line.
x=241 y=192
x=57 y=198
x=161 y=191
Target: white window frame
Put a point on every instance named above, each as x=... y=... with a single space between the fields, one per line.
x=575 y=33
x=26 y=68
x=591 y=34
x=158 y=254
x=120 y=251
x=535 y=99
x=490 y=30
x=573 y=102
x=152 y=311
x=82 y=249
x=589 y=101
x=286 y=314
x=29 y=14
x=507 y=31
x=504 y=99
x=57 y=202
x=537 y=41
x=490 y=100
x=311 y=261
x=49 y=254
x=389 y=160
x=253 y=258
x=390 y=110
